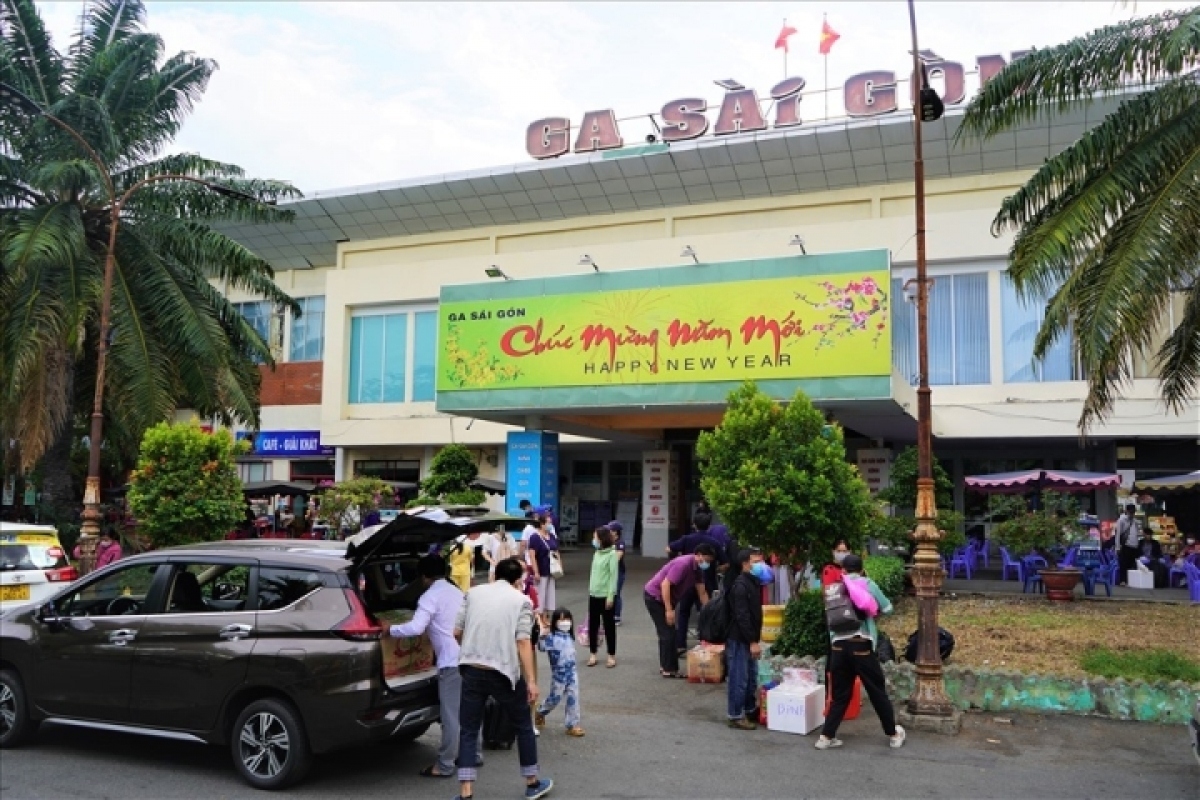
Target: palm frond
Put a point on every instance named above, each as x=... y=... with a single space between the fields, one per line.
x=1178 y=360
x=1106 y=61
x=106 y=23
x=38 y=67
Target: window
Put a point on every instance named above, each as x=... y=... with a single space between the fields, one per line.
x=393 y=357
x=204 y=588
x=958 y=331
x=117 y=594
x=308 y=330
x=250 y=471
x=312 y=471
x=401 y=471
x=624 y=480
x=279 y=588
x=587 y=472
x=1022 y=319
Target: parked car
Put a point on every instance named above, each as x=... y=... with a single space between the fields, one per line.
x=33 y=564
x=274 y=648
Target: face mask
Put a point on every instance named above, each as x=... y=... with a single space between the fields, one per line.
x=839 y=556
x=704 y=565
x=596 y=544
x=564 y=625
x=763 y=573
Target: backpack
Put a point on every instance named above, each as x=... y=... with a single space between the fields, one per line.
x=840 y=614
x=714 y=621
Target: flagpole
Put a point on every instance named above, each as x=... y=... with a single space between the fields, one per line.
x=826 y=92
x=785 y=49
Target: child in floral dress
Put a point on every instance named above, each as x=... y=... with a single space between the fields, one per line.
x=559 y=645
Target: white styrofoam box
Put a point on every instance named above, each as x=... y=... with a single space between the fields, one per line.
x=795 y=709
x=1140 y=580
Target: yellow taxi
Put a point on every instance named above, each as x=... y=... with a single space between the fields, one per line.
x=33 y=564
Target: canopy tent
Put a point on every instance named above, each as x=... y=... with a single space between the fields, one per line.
x=1171 y=483
x=1039 y=480
x=272 y=488
x=490 y=486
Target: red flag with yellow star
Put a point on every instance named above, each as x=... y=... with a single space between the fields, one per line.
x=828 y=37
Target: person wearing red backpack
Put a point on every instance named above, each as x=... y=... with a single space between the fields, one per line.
x=852 y=655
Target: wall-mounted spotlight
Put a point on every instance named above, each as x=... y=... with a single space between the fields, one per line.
x=797 y=241
x=586 y=261
x=909 y=283
x=495 y=272
x=688 y=252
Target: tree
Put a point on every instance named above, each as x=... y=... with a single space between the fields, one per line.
x=1109 y=229
x=896 y=531
x=902 y=491
x=177 y=341
x=778 y=475
x=450 y=477
x=186 y=487
x=344 y=504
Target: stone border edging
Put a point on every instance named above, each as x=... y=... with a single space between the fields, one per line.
x=972 y=689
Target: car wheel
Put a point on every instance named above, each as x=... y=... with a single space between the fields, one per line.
x=411 y=734
x=16 y=726
x=270 y=748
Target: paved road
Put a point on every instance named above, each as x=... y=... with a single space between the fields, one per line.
x=652 y=738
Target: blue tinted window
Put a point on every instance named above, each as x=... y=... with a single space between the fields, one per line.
x=308 y=330
x=425 y=356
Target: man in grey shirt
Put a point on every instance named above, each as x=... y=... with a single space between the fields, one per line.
x=496 y=660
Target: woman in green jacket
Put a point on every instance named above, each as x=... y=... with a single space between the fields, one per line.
x=602 y=589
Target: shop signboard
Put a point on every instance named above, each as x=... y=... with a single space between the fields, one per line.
x=288 y=444
x=638 y=329
x=659 y=477
x=532 y=471
x=875 y=466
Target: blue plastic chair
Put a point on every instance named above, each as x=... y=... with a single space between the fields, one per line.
x=1105 y=575
x=1069 y=558
x=1033 y=580
x=981 y=554
x=961 y=559
x=1180 y=572
x=1193 y=578
x=1010 y=563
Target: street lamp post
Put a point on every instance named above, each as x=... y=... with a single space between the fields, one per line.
x=92 y=517
x=928 y=707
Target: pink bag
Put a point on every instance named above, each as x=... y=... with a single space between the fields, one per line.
x=860 y=595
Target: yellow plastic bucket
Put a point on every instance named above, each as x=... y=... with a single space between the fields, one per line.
x=772 y=623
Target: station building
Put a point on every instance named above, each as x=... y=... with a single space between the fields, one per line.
x=577 y=321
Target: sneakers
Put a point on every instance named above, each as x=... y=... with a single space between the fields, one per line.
x=897 y=740
x=825 y=743
x=577 y=732
x=539 y=720
x=536 y=791
x=743 y=724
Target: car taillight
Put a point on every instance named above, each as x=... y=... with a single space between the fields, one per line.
x=62 y=574
x=360 y=626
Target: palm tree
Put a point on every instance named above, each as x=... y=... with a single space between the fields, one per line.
x=176 y=341
x=1109 y=229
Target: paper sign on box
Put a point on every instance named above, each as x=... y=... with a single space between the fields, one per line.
x=794 y=709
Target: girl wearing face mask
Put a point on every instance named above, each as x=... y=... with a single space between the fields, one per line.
x=833 y=572
x=602 y=590
x=564 y=676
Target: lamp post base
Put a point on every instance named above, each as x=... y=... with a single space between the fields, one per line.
x=946 y=725
x=89 y=533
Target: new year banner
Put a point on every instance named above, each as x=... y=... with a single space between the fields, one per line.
x=817 y=326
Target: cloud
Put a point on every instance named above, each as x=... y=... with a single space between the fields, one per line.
x=349 y=93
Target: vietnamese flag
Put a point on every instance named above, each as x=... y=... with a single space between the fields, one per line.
x=782 y=39
x=828 y=37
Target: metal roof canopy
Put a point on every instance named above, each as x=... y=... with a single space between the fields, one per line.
x=777 y=163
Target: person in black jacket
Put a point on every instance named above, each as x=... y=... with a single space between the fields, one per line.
x=743 y=643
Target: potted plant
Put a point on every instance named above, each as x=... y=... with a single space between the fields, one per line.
x=1042 y=532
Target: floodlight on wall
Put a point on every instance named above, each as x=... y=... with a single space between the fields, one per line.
x=587 y=261
x=688 y=252
x=909 y=283
x=495 y=272
x=798 y=241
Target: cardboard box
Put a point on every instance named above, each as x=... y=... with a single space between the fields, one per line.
x=795 y=709
x=705 y=664
x=406 y=655
x=1140 y=579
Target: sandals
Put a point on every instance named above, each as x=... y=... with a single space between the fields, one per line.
x=612 y=662
x=591 y=661
x=429 y=773
x=664 y=673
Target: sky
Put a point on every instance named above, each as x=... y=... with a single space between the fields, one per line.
x=338 y=94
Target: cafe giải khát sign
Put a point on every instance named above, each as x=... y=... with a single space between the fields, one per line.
x=867 y=94
x=814 y=326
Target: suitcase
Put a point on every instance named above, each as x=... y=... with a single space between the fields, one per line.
x=498 y=730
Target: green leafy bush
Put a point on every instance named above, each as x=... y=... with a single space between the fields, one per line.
x=888 y=574
x=804 y=632
x=450 y=477
x=902 y=493
x=897 y=531
x=1154 y=664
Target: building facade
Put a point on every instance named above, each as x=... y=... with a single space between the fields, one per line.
x=390 y=275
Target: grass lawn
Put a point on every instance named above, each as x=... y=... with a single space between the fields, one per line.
x=1032 y=635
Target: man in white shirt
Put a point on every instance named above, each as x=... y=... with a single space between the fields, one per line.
x=437 y=612
x=496 y=659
